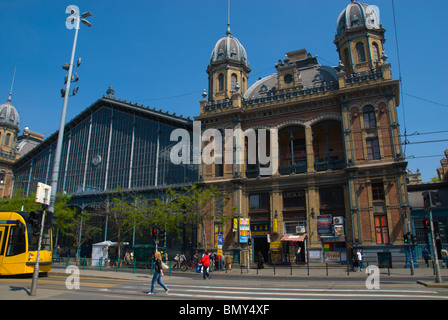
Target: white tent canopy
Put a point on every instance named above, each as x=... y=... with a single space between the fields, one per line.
x=100 y=251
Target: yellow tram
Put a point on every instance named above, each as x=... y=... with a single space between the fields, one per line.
x=19 y=236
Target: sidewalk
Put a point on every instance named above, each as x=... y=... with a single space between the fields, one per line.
x=424 y=276
x=19 y=290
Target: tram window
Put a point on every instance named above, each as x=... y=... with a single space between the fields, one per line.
x=16 y=243
x=46 y=240
x=33 y=240
x=2 y=251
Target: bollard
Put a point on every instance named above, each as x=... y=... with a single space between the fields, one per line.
x=290 y=269
x=326 y=267
x=274 y=268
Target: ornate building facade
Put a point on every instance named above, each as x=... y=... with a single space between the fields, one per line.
x=338 y=177
x=9 y=129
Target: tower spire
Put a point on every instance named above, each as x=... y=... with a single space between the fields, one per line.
x=228 y=32
x=12 y=84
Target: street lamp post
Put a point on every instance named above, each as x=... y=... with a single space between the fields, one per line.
x=76 y=18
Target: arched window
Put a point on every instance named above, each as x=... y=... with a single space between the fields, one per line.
x=346 y=57
x=361 y=52
x=375 y=50
x=221 y=82
x=328 y=146
x=369 y=117
x=234 y=80
x=8 y=137
x=292 y=150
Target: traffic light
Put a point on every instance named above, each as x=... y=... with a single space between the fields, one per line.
x=430 y=199
x=162 y=237
x=155 y=233
x=435 y=224
x=50 y=216
x=407 y=238
x=35 y=220
x=414 y=240
x=427 y=225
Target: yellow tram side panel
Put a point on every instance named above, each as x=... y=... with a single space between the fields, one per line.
x=21 y=263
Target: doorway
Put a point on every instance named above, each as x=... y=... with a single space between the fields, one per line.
x=261 y=244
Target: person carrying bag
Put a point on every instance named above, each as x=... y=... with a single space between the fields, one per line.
x=205 y=262
x=158 y=273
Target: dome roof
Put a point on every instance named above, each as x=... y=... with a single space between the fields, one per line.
x=229 y=48
x=9 y=115
x=312 y=76
x=356 y=15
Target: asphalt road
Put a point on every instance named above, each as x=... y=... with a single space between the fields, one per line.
x=107 y=294
x=227 y=287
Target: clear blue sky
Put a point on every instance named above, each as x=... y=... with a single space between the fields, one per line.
x=156 y=53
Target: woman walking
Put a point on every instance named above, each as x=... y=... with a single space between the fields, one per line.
x=158 y=273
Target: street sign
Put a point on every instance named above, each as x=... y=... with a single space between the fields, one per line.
x=220 y=240
x=43 y=193
x=244 y=230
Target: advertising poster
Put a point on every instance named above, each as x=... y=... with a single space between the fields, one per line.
x=324 y=226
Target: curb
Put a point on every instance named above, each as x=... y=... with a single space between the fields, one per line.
x=433 y=284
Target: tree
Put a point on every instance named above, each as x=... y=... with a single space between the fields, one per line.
x=20 y=202
x=80 y=228
x=121 y=213
x=201 y=204
x=65 y=214
x=161 y=212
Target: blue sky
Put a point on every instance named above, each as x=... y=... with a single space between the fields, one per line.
x=156 y=53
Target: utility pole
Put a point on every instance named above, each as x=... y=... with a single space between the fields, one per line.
x=42 y=197
x=429 y=200
x=434 y=249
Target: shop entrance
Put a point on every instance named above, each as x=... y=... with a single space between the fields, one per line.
x=292 y=253
x=260 y=245
x=291 y=246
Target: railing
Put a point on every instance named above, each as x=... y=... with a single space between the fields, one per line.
x=292 y=269
x=288 y=94
x=110 y=264
x=364 y=76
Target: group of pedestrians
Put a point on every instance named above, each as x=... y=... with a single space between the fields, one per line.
x=205 y=262
x=209 y=259
x=444 y=254
x=357 y=259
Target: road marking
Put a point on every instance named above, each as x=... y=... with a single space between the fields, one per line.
x=62 y=282
x=293 y=296
x=306 y=289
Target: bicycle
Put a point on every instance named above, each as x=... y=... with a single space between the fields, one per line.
x=188 y=266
